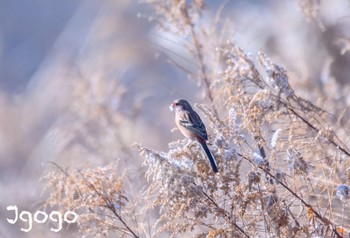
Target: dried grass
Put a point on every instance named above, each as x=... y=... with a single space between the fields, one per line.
x=283 y=160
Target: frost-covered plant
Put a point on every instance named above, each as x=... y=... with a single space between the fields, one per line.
x=283 y=159
x=259 y=126
x=98 y=197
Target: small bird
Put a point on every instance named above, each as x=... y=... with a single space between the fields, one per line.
x=191 y=126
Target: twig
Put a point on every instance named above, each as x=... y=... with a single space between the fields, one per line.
x=59 y=167
x=109 y=205
x=204 y=76
x=318 y=215
x=316 y=129
x=228 y=217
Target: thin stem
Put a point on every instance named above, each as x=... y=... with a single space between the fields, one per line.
x=203 y=74
x=228 y=217
x=317 y=130
x=318 y=215
x=109 y=204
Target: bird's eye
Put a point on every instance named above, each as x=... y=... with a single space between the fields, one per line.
x=176 y=104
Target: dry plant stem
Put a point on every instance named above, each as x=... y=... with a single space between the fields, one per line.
x=290 y=108
x=171 y=61
x=63 y=171
x=318 y=215
x=263 y=209
x=109 y=204
x=59 y=167
x=228 y=217
x=317 y=130
x=291 y=214
x=203 y=73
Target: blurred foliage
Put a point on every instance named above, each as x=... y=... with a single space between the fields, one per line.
x=82 y=80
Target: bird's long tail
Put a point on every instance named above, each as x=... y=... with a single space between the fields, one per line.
x=209 y=155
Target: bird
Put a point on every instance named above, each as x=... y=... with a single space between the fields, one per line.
x=192 y=127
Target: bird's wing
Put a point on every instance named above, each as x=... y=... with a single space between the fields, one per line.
x=192 y=121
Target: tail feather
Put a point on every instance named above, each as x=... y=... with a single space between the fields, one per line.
x=210 y=156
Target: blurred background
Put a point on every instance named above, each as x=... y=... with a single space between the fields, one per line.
x=80 y=81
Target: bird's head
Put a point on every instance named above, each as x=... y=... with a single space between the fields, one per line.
x=180 y=104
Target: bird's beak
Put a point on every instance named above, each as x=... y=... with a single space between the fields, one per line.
x=171 y=107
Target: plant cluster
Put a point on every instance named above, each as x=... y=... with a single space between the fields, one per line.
x=283 y=161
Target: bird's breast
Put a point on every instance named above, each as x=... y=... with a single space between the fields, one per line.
x=187 y=133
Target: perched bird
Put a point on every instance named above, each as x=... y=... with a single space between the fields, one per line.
x=191 y=126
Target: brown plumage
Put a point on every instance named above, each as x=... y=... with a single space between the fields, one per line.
x=192 y=127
